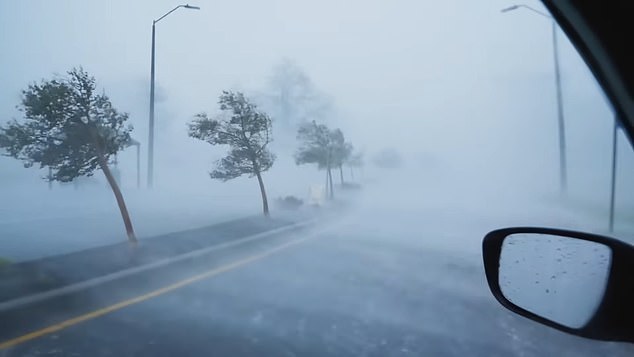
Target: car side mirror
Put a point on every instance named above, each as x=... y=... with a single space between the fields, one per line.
x=575 y=282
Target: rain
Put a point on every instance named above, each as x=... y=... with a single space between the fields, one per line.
x=450 y=107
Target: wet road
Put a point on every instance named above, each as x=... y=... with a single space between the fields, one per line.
x=351 y=288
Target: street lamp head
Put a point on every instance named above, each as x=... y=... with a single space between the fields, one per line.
x=515 y=7
x=186 y=6
x=510 y=8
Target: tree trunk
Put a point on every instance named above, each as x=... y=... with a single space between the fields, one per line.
x=265 y=202
x=117 y=194
x=332 y=193
x=351 y=174
x=341 y=174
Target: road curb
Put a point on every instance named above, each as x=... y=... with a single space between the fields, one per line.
x=33 y=298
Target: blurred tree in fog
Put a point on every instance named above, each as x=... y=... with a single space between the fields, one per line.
x=341 y=151
x=70 y=129
x=322 y=146
x=354 y=161
x=292 y=98
x=246 y=130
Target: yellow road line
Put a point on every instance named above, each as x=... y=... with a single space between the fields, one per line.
x=106 y=310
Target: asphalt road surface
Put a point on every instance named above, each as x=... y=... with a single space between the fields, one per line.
x=355 y=286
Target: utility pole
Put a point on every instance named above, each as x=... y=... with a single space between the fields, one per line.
x=613 y=182
x=150 y=150
x=563 y=170
x=563 y=177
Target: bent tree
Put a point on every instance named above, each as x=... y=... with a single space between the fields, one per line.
x=341 y=151
x=247 y=132
x=354 y=161
x=325 y=147
x=70 y=129
x=317 y=146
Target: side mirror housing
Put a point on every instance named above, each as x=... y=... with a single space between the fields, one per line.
x=579 y=283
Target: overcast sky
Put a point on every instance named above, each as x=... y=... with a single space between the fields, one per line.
x=455 y=82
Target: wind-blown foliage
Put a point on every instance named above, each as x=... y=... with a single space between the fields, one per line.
x=341 y=151
x=315 y=145
x=354 y=161
x=70 y=129
x=246 y=130
x=324 y=147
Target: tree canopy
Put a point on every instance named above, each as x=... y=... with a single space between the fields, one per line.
x=315 y=145
x=341 y=149
x=66 y=127
x=71 y=129
x=322 y=146
x=247 y=132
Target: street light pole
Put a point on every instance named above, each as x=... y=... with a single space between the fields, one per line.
x=150 y=150
x=614 y=158
x=150 y=164
x=563 y=177
x=563 y=172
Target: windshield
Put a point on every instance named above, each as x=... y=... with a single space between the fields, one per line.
x=289 y=178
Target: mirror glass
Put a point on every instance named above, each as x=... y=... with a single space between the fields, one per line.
x=562 y=279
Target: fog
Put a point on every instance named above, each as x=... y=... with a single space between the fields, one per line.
x=452 y=105
x=462 y=92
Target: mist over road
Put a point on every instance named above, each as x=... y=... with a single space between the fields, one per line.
x=382 y=281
